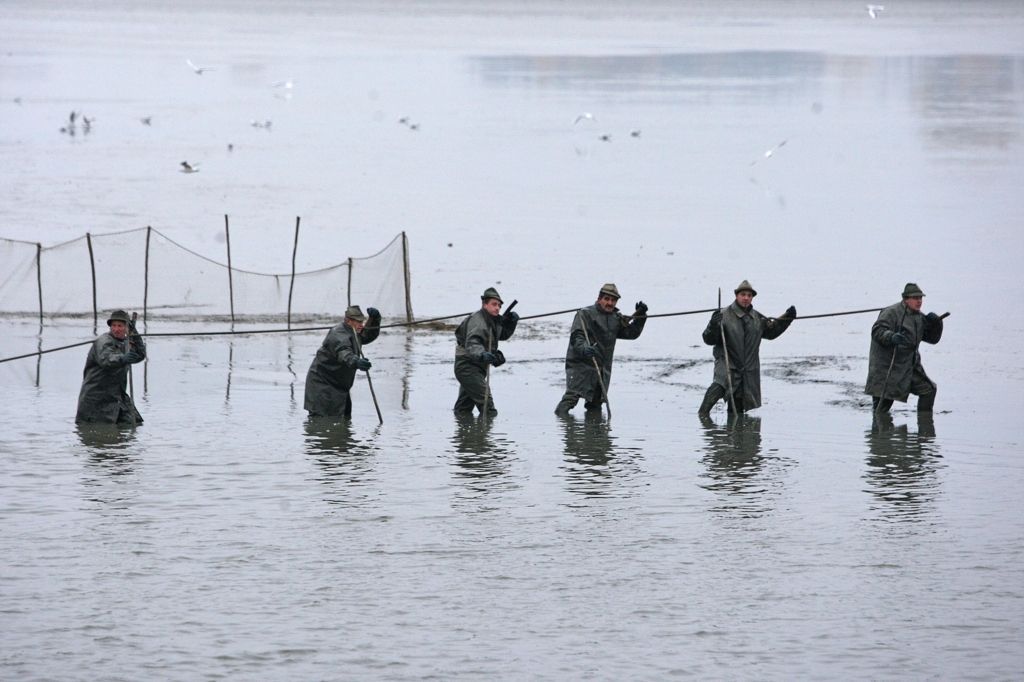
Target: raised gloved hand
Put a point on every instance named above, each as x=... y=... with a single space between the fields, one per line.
x=131 y=357
x=510 y=316
x=499 y=358
x=932 y=317
x=488 y=357
x=373 y=313
x=716 y=318
x=640 y=309
x=589 y=352
x=899 y=339
x=363 y=364
x=791 y=312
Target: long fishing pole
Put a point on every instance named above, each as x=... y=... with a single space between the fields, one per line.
x=725 y=352
x=600 y=376
x=369 y=381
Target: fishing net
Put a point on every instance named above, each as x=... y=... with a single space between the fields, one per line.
x=144 y=270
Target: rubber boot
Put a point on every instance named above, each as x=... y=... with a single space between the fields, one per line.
x=883 y=408
x=711 y=396
x=567 y=402
x=926 y=402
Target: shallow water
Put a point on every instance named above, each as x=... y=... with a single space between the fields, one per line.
x=229 y=536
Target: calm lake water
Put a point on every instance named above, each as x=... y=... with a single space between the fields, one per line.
x=228 y=536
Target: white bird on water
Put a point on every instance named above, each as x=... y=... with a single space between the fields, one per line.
x=198 y=69
x=187 y=167
x=873 y=10
x=287 y=85
x=585 y=116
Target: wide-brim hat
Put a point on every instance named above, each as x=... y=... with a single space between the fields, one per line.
x=745 y=286
x=491 y=292
x=911 y=289
x=610 y=289
x=354 y=312
x=119 y=316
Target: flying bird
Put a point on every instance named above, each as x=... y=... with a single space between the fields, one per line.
x=873 y=10
x=771 y=152
x=146 y=120
x=586 y=115
x=187 y=167
x=287 y=85
x=198 y=69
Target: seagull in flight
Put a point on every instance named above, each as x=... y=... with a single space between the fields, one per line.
x=198 y=69
x=586 y=115
x=873 y=10
x=187 y=167
x=771 y=152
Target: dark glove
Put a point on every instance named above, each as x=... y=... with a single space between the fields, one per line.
x=499 y=358
x=716 y=318
x=373 y=313
x=488 y=357
x=510 y=316
x=932 y=317
x=641 y=309
x=791 y=312
x=899 y=339
x=589 y=352
x=363 y=364
x=131 y=357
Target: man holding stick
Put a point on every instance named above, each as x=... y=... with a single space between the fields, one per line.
x=476 y=351
x=102 y=398
x=736 y=332
x=894 y=363
x=333 y=370
x=588 y=359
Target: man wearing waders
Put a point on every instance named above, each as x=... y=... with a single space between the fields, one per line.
x=894 y=363
x=103 y=398
x=595 y=329
x=739 y=370
x=476 y=350
x=333 y=370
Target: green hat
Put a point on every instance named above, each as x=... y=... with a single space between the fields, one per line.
x=491 y=292
x=610 y=290
x=119 y=316
x=745 y=286
x=912 y=290
x=353 y=312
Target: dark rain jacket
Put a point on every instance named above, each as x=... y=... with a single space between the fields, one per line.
x=904 y=360
x=744 y=330
x=103 y=398
x=333 y=370
x=604 y=329
x=479 y=333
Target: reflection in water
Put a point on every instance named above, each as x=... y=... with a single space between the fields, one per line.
x=346 y=462
x=593 y=462
x=481 y=459
x=902 y=468
x=735 y=466
x=109 y=461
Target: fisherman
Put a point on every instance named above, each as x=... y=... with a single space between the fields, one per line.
x=592 y=338
x=103 y=398
x=476 y=350
x=744 y=328
x=333 y=370
x=894 y=363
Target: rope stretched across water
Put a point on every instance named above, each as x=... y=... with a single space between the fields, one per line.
x=430 y=320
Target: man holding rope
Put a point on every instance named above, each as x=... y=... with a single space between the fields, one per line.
x=588 y=360
x=739 y=328
x=476 y=351
x=333 y=370
x=894 y=363
x=103 y=398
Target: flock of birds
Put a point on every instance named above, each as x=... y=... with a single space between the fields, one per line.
x=286 y=87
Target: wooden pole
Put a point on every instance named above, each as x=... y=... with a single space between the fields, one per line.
x=291 y=285
x=231 y=287
x=405 y=275
x=725 y=352
x=39 y=279
x=145 y=282
x=348 y=286
x=597 y=368
x=92 y=266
